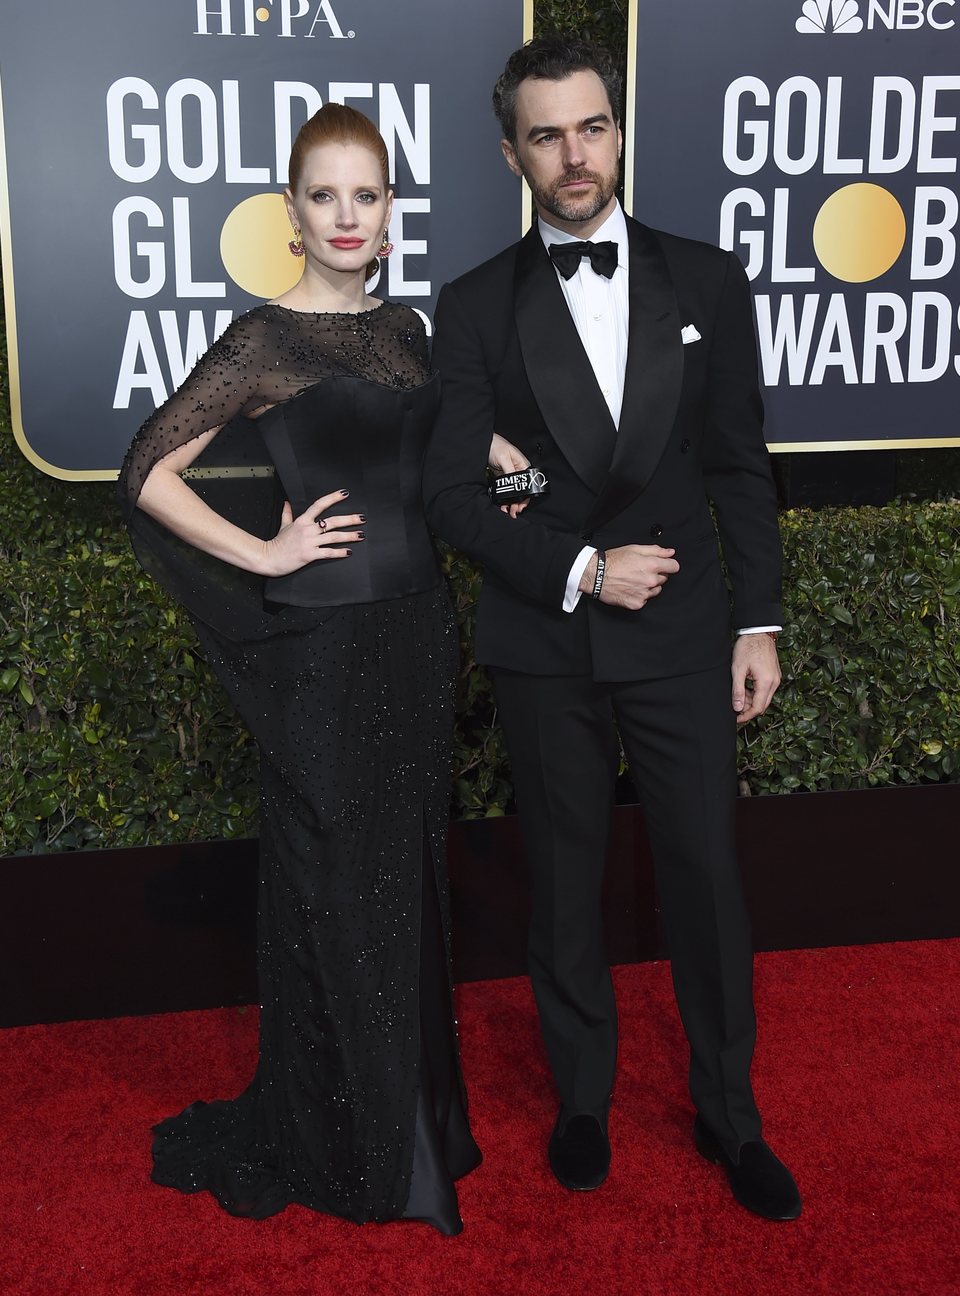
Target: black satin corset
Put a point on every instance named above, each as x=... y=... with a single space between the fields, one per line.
x=349 y=433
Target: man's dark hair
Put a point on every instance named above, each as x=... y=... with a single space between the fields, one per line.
x=551 y=58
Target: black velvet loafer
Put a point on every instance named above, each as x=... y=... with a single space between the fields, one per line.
x=759 y=1180
x=580 y=1155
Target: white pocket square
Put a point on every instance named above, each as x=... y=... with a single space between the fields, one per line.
x=689 y=334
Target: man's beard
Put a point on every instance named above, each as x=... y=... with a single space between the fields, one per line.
x=550 y=198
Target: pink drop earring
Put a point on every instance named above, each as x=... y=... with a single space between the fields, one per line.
x=386 y=247
x=296 y=243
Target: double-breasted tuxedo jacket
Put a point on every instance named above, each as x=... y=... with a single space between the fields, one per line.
x=689 y=436
x=511 y=361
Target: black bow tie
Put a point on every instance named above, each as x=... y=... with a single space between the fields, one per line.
x=567 y=257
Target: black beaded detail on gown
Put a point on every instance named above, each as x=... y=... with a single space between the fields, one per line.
x=357 y=1105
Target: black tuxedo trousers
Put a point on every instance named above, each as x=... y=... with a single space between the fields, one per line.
x=678 y=736
x=686 y=466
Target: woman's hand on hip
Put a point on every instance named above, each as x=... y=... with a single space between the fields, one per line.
x=311 y=536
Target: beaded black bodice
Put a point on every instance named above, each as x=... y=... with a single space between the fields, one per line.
x=307 y=404
x=270 y=355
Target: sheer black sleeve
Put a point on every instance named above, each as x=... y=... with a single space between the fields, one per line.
x=233 y=475
x=224 y=383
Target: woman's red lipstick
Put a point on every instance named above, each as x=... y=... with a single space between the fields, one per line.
x=347 y=243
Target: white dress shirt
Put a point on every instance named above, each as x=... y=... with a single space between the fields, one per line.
x=600 y=308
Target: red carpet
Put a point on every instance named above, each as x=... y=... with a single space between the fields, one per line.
x=856 y=1073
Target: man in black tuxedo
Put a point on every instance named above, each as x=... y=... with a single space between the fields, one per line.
x=626 y=371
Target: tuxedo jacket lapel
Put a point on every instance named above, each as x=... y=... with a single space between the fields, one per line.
x=558 y=370
x=653 y=378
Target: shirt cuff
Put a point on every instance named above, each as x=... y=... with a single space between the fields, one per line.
x=756 y=629
x=572 y=593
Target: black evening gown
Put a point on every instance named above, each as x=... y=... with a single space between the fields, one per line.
x=344 y=674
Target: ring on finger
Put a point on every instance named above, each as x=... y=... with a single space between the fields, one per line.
x=321 y=523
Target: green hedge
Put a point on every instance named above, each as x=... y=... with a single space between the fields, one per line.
x=118 y=736
x=871 y=691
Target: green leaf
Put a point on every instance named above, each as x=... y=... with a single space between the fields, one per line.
x=840 y=613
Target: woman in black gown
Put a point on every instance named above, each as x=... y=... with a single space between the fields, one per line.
x=299 y=547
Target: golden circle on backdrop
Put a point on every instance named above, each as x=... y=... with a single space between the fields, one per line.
x=859 y=232
x=253 y=246
x=263 y=13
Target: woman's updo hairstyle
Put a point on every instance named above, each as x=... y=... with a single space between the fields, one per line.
x=338 y=124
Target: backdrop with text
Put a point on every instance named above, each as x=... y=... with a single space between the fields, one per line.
x=144 y=151
x=818 y=140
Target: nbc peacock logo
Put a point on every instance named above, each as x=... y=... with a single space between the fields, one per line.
x=842 y=17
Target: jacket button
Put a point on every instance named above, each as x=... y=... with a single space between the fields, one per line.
x=684 y=446
x=586 y=535
x=656 y=531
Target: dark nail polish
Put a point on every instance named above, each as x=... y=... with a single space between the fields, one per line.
x=349 y=552
x=362 y=517
x=344 y=493
x=360 y=535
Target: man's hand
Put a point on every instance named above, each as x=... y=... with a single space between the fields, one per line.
x=754 y=659
x=504 y=457
x=634 y=574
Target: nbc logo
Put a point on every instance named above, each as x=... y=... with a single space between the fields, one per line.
x=843 y=16
x=840 y=16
